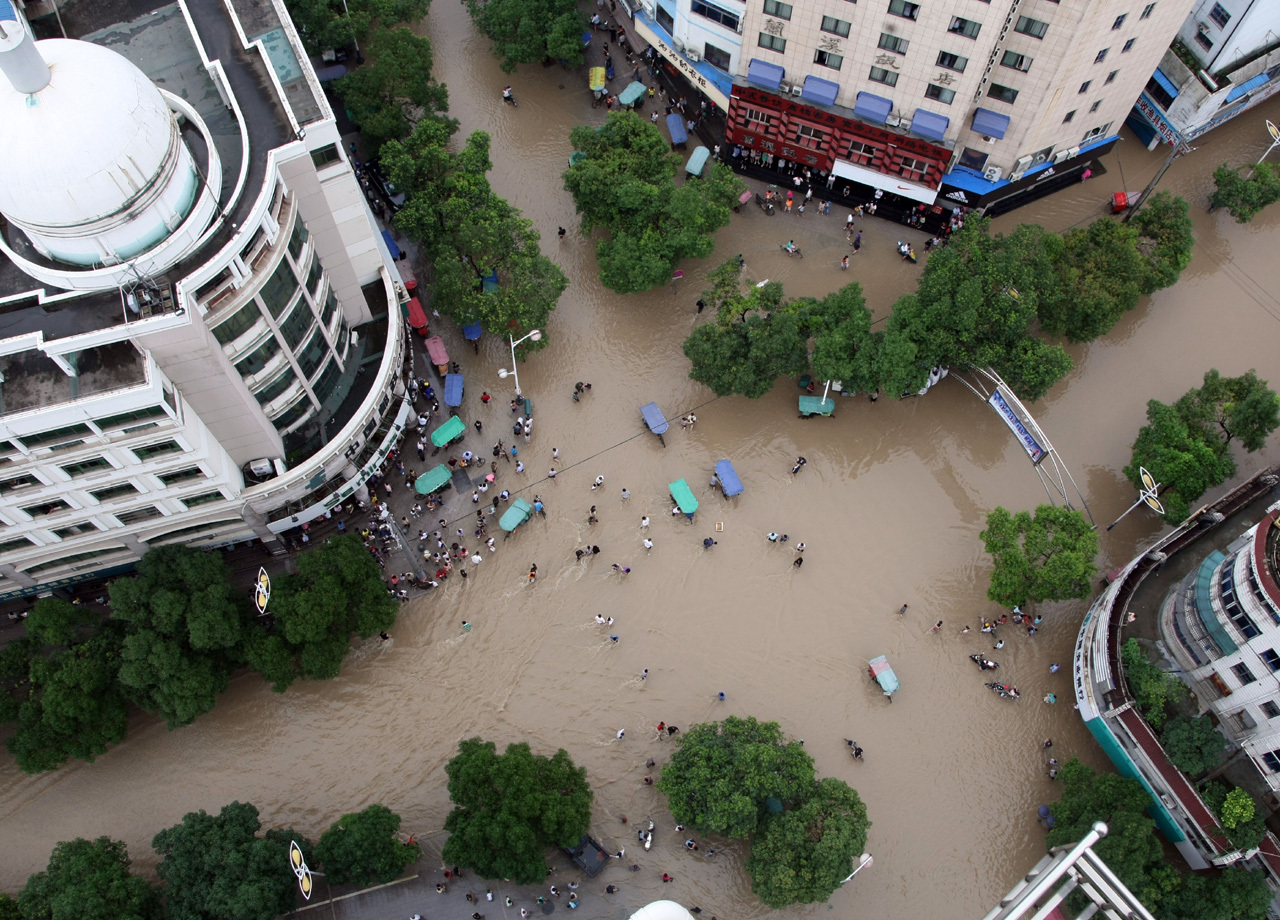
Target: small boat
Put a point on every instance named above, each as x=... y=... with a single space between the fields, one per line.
x=985 y=664
x=882 y=674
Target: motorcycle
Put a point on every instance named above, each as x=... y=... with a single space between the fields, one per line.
x=1004 y=691
x=985 y=664
x=509 y=98
x=793 y=251
x=765 y=204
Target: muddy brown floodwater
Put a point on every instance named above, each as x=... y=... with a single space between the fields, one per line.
x=890 y=504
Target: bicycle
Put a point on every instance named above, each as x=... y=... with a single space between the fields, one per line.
x=793 y=251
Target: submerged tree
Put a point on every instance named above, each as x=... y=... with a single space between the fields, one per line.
x=364 y=848
x=1048 y=556
x=330 y=24
x=531 y=31
x=89 y=878
x=388 y=95
x=1244 y=196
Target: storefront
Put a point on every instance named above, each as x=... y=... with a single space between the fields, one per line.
x=701 y=76
x=969 y=188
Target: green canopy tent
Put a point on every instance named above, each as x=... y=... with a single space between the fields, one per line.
x=519 y=512
x=432 y=480
x=449 y=431
x=816 y=405
x=683 y=497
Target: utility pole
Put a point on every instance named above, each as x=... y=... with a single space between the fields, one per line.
x=1180 y=149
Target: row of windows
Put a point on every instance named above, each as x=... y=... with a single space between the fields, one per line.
x=726 y=18
x=61 y=439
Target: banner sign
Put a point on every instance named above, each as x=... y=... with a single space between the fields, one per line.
x=1005 y=411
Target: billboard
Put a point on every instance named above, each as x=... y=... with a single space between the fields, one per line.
x=1011 y=418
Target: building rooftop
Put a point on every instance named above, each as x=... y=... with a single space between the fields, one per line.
x=31 y=379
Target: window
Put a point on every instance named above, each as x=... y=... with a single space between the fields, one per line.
x=1016 y=61
x=1033 y=27
x=282 y=382
x=18 y=482
x=761 y=118
x=295 y=328
x=1128 y=46
x=291 y=415
x=860 y=152
x=313 y=277
x=328 y=380
x=185 y=475
x=1102 y=56
x=1270 y=709
x=1093 y=108
x=1096 y=132
x=893 y=43
x=880 y=75
x=202 y=499
x=46 y=508
x=1272 y=759
x=726 y=18
x=309 y=359
x=74 y=529
x=90 y=465
x=774 y=8
x=238 y=324
x=913 y=168
x=1119 y=21
x=904 y=9
x=952 y=61
x=157 y=449
x=106 y=495
x=966 y=27
x=279 y=289
x=1070 y=115
x=125 y=418
x=15 y=543
x=716 y=57
x=665 y=20
x=772 y=42
x=1111 y=77
x=68 y=560
x=1242 y=673
x=43 y=438
x=1002 y=93
x=331 y=303
x=1147 y=11
x=1219 y=15
x=941 y=93
x=1204 y=41
x=139 y=514
x=297 y=240
x=1084 y=87
x=827 y=59
x=812 y=134
x=972 y=158
x=835 y=26
x=325 y=155
x=257 y=359
x=1271 y=658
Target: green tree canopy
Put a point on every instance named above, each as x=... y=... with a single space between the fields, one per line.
x=337 y=590
x=1165 y=236
x=1100 y=277
x=1245 y=196
x=394 y=90
x=186 y=630
x=509 y=808
x=1193 y=745
x=363 y=849
x=531 y=31
x=1234 y=894
x=1243 y=824
x=803 y=854
x=89 y=880
x=1183 y=460
x=330 y=24
x=1241 y=407
x=218 y=868
x=626 y=185
x=1152 y=688
x=9 y=909
x=722 y=774
x=469 y=233
x=1045 y=557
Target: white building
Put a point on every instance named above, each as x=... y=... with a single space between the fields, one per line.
x=199 y=323
x=1226 y=60
x=1222 y=625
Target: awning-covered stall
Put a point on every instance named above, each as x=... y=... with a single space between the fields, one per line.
x=654 y=418
x=816 y=405
x=417 y=316
x=676 y=128
x=730 y=484
x=632 y=94
x=990 y=123
x=437 y=353
x=432 y=480
x=682 y=495
x=519 y=512
x=472 y=331
x=449 y=431
x=453 y=390
x=697 y=161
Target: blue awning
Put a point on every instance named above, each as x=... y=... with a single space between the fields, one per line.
x=1165 y=83
x=872 y=108
x=929 y=124
x=472 y=331
x=990 y=123
x=820 y=91
x=762 y=73
x=1247 y=86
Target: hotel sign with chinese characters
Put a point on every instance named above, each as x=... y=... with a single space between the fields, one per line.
x=700 y=82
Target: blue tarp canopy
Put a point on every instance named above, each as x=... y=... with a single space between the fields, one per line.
x=762 y=73
x=632 y=94
x=675 y=125
x=697 y=161
x=929 y=124
x=730 y=484
x=391 y=244
x=821 y=91
x=453 y=389
x=586 y=38
x=990 y=123
x=1165 y=83
x=871 y=107
x=1247 y=86
x=472 y=331
x=654 y=418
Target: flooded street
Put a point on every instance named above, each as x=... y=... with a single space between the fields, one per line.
x=890 y=506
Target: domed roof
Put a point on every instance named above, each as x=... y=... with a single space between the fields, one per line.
x=81 y=148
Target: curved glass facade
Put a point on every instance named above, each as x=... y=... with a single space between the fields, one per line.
x=237 y=324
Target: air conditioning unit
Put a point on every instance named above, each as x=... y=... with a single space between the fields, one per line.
x=784 y=86
x=797 y=90
x=693 y=55
x=992 y=173
x=1062 y=155
x=1202 y=28
x=679 y=45
x=893 y=120
x=1015 y=176
x=647 y=6
x=739 y=26
x=1040 y=158
x=1022 y=164
x=987 y=139
x=261 y=467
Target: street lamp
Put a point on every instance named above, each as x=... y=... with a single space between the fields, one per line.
x=536 y=335
x=262 y=594
x=863 y=861
x=1275 y=141
x=1146 y=495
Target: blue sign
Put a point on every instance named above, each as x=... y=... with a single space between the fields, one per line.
x=1005 y=411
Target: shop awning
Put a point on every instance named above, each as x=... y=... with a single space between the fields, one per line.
x=990 y=123
x=894 y=184
x=929 y=124
x=870 y=107
x=821 y=91
x=1248 y=86
x=417 y=318
x=1165 y=83
x=762 y=73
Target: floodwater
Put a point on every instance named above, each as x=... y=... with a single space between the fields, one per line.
x=890 y=506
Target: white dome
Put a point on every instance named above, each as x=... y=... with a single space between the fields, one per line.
x=87 y=145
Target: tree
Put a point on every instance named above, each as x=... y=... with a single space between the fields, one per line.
x=88 y=879
x=337 y=591
x=362 y=848
x=1235 y=894
x=471 y=234
x=531 y=31
x=509 y=808
x=73 y=705
x=843 y=347
x=1241 y=407
x=1193 y=745
x=9 y=909
x=722 y=775
x=1100 y=276
x=329 y=24
x=626 y=185
x=802 y=855
x=1182 y=459
x=218 y=868
x=1152 y=689
x=1245 y=197
x=1244 y=826
x=186 y=630
x=1048 y=557
x=1166 y=236
x=387 y=95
